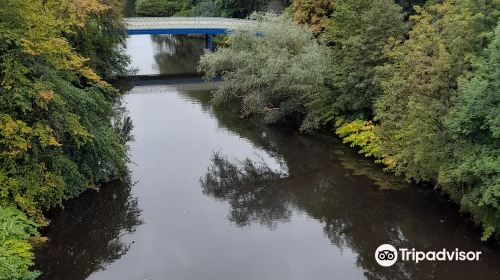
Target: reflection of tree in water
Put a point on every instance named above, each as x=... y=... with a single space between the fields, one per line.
x=247 y=187
x=363 y=167
x=86 y=235
x=177 y=54
x=327 y=182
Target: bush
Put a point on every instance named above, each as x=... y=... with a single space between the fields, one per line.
x=15 y=251
x=361 y=134
x=269 y=67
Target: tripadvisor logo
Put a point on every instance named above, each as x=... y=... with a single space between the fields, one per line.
x=387 y=255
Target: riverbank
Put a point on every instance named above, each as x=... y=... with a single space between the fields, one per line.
x=62 y=130
x=420 y=123
x=431 y=118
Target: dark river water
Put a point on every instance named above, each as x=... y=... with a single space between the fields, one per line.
x=214 y=196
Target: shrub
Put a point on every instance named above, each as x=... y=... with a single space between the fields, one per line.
x=16 y=257
x=270 y=67
x=361 y=134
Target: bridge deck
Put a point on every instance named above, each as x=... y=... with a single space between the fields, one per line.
x=182 y=25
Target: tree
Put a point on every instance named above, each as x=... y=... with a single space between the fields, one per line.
x=56 y=137
x=158 y=8
x=357 y=33
x=408 y=5
x=472 y=172
x=270 y=67
x=314 y=13
x=56 y=115
x=421 y=79
x=240 y=8
x=202 y=8
x=102 y=41
x=420 y=85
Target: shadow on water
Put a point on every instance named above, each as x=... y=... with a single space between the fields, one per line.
x=359 y=206
x=87 y=234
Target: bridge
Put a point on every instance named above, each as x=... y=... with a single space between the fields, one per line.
x=184 y=25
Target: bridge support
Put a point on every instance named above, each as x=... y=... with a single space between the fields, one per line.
x=209 y=42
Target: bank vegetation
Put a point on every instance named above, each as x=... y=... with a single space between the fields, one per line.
x=415 y=85
x=60 y=121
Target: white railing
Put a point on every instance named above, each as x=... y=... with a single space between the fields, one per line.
x=136 y=23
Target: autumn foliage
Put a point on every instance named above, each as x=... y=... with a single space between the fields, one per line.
x=56 y=112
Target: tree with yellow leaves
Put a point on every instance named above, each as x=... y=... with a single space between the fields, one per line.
x=56 y=137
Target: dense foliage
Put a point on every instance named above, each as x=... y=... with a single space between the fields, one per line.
x=157 y=8
x=417 y=87
x=102 y=41
x=223 y=8
x=314 y=13
x=57 y=137
x=240 y=8
x=474 y=125
x=271 y=67
x=15 y=249
x=203 y=8
x=357 y=33
x=422 y=114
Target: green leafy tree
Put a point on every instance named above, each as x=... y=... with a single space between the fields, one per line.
x=240 y=8
x=56 y=137
x=203 y=8
x=357 y=33
x=472 y=172
x=421 y=79
x=420 y=110
x=270 y=67
x=56 y=114
x=102 y=41
x=408 y=5
x=158 y=8
x=210 y=8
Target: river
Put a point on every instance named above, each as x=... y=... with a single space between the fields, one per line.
x=213 y=196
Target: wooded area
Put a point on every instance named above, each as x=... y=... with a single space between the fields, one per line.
x=413 y=84
x=60 y=121
x=417 y=89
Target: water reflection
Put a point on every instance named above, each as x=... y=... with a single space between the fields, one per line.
x=88 y=234
x=304 y=208
x=350 y=216
x=177 y=54
x=251 y=190
x=165 y=54
x=357 y=212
